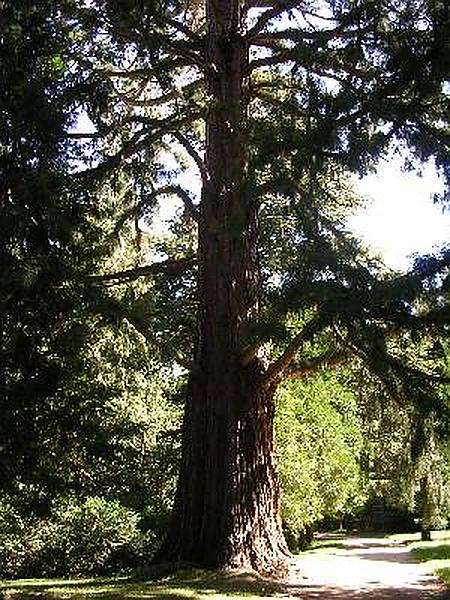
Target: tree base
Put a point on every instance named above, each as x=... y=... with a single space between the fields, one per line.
x=265 y=566
x=425 y=535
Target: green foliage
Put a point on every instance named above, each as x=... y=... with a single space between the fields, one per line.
x=403 y=473
x=82 y=404
x=78 y=537
x=432 y=498
x=46 y=228
x=111 y=437
x=319 y=441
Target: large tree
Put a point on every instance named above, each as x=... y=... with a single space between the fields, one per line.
x=273 y=103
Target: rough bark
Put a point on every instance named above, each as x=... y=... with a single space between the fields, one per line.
x=227 y=504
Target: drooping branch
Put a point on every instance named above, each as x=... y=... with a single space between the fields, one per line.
x=106 y=129
x=181 y=92
x=287 y=45
x=168 y=62
x=288 y=107
x=137 y=210
x=431 y=266
x=390 y=301
x=283 y=55
x=106 y=305
x=134 y=144
x=272 y=39
x=270 y=14
x=400 y=377
x=381 y=305
x=270 y=61
x=140 y=140
x=126 y=73
x=187 y=201
x=411 y=370
x=78 y=135
x=167 y=266
x=425 y=268
x=182 y=28
x=193 y=154
x=404 y=320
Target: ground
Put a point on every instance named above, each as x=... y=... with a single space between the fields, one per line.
x=342 y=569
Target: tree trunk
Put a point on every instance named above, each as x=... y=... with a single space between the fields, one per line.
x=227 y=504
x=226 y=510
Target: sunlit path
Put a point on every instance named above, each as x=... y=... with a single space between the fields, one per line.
x=363 y=568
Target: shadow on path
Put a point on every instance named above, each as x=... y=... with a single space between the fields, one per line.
x=400 y=556
x=369 y=593
x=372 y=569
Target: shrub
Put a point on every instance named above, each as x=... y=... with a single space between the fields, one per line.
x=80 y=537
x=13 y=531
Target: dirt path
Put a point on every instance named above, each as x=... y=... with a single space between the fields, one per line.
x=363 y=569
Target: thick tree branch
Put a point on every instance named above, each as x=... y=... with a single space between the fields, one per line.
x=327 y=360
x=278 y=368
x=167 y=266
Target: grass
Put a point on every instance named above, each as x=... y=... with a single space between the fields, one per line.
x=189 y=584
x=435 y=553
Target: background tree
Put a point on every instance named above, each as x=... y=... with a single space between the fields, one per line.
x=404 y=455
x=84 y=409
x=319 y=445
x=39 y=247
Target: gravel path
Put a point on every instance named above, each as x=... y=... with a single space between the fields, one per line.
x=363 y=569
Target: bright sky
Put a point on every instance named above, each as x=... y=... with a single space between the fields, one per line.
x=400 y=219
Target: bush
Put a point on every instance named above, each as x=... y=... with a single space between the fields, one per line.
x=13 y=530
x=91 y=536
